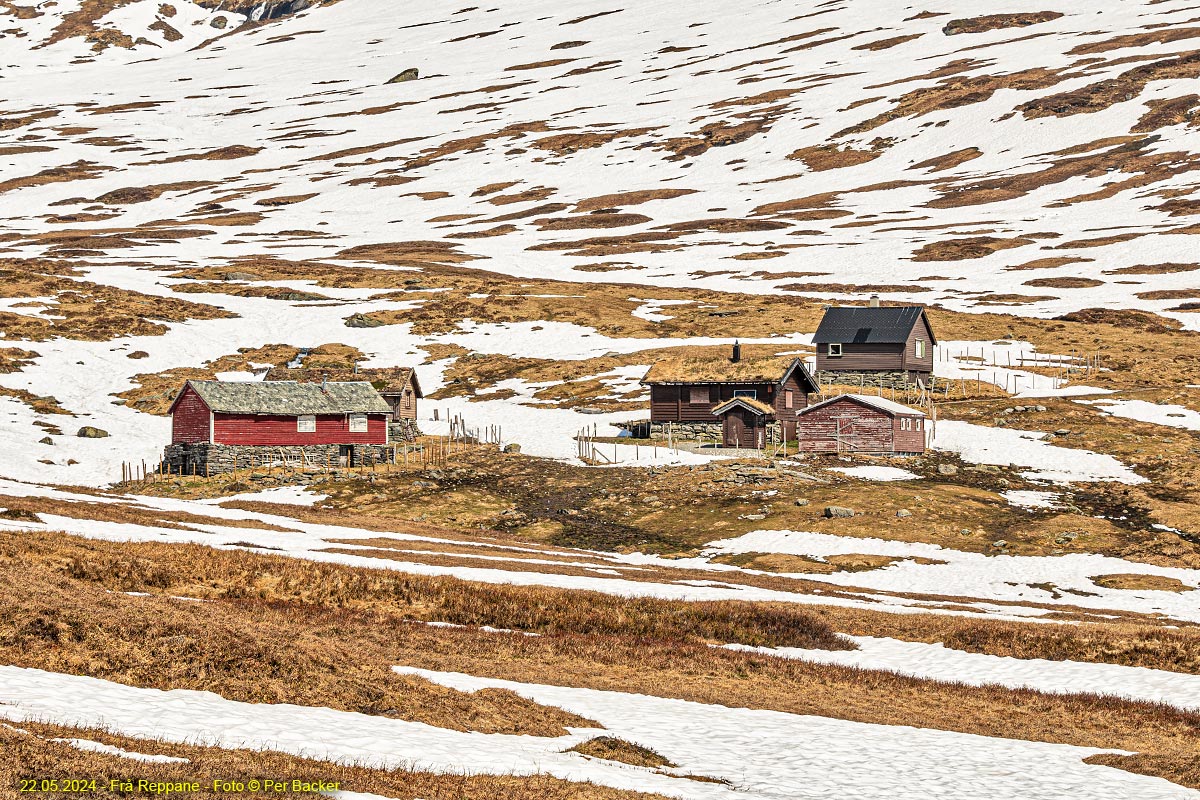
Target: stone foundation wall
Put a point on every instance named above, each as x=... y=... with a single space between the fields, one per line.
x=216 y=459
x=884 y=380
x=403 y=430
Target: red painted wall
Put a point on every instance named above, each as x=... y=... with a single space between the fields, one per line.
x=253 y=429
x=864 y=430
x=189 y=421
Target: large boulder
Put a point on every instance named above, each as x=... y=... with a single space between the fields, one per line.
x=88 y=432
x=838 y=511
x=410 y=74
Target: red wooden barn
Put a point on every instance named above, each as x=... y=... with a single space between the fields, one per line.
x=279 y=413
x=857 y=423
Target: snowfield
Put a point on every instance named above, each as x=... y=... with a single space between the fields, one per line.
x=763 y=754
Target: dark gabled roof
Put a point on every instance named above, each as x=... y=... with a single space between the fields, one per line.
x=288 y=398
x=386 y=380
x=889 y=407
x=870 y=325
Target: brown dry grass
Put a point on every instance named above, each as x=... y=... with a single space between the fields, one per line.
x=610 y=748
x=1140 y=582
x=85 y=310
x=972 y=247
x=42 y=569
x=39 y=753
x=993 y=22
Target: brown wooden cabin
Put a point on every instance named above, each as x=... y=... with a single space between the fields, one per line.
x=744 y=422
x=687 y=388
x=856 y=423
x=874 y=339
x=398 y=386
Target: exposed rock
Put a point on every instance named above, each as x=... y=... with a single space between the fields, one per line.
x=240 y=276
x=410 y=74
x=999 y=544
x=219 y=23
x=88 y=432
x=512 y=448
x=801 y=501
x=45 y=440
x=947 y=469
x=904 y=512
x=362 y=321
x=838 y=511
x=753 y=517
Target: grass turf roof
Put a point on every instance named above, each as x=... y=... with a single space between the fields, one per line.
x=713 y=365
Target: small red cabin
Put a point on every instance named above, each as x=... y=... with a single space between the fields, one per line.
x=280 y=413
x=857 y=423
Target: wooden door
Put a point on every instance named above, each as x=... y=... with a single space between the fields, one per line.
x=733 y=428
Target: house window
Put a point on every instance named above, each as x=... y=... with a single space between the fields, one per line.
x=789 y=401
x=699 y=395
x=904 y=423
x=751 y=393
x=919 y=348
x=306 y=424
x=833 y=350
x=358 y=423
x=918 y=423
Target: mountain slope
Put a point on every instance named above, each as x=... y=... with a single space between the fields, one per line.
x=844 y=148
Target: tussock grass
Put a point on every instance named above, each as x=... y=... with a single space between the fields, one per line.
x=276 y=649
x=35 y=754
x=203 y=572
x=610 y=748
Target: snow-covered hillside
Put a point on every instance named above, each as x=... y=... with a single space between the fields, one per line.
x=833 y=149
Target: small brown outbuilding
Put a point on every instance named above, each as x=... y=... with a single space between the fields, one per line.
x=857 y=423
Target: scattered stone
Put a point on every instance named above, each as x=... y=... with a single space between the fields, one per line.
x=904 y=512
x=838 y=511
x=45 y=440
x=136 y=354
x=88 y=432
x=219 y=23
x=410 y=74
x=512 y=448
x=947 y=469
x=999 y=544
x=240 y=276
x=1062 y=432
x=753 y=517
x=801 y=501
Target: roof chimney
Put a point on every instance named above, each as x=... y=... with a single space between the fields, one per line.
x=324 y=385
x=737 y=352
x=874 y=301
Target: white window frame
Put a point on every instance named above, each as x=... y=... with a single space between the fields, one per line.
x=748 y=393
x=833 y=350
x=306 y=423
x=918 y=421
x=919 y=348
x=359 y=423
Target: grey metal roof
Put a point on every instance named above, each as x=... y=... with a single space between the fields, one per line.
x=868 y=325
x=289 y=398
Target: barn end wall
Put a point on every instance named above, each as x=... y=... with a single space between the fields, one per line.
x=203 y=458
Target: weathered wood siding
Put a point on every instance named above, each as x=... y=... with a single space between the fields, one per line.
x=862 y=358
x=671 y=402
x=910 y=436
x=848 y=426
x=190 y=419
x=404 y=404
x=922 y=333
x=743 y=428
x=261 y=429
